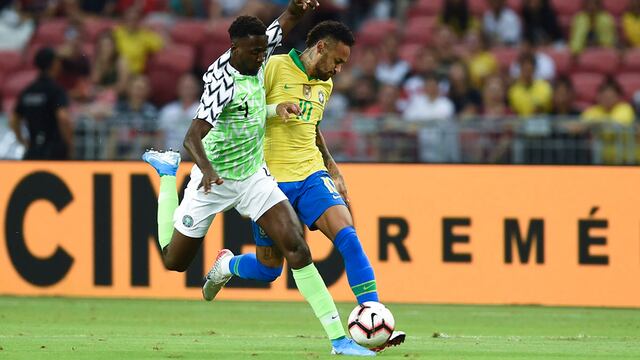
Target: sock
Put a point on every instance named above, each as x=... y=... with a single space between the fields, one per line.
x=314 y=290
x=167 y=204
x=247 y=266
x=359 y=271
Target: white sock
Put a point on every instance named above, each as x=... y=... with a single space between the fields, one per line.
x=224 y=265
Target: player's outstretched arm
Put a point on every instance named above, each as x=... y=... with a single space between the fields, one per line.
x=193 y=144
x=331 y=166
x=294 y=12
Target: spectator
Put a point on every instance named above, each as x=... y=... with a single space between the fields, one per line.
x=189 y=8
x=610 y=107
x=99 y=7
x=564 y=98
x=387 y=104
x=426 y=64
x=110 y=70
x=481 y=63
x=466 y=100
x=545 y=66
x=494 y=103
x=367 y=64
x=135 y=43
x=16 y=29
x=363 y=93
x=133 y=127
x=443 y=45
x=631 y=23
x=457 y=16
x=391 y=68
x=428 y=104
x=501 y=24
x=528 y=96
x=76 y=69
x=611 y=110
x=43 y=106
x=540 y=23
x=175 y=118
x=592 y=26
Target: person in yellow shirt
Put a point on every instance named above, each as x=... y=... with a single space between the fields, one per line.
x=529 y=96
x=298 y=158
x=611 y=110
x=481 y=63
x=592 y=27
x=135 y=43
x=631 y=23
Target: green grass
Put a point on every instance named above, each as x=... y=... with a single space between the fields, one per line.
x=62 y=328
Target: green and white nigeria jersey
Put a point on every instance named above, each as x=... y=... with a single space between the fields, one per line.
x=235 y=105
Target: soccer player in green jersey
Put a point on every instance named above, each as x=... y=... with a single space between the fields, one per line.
x=226 y=142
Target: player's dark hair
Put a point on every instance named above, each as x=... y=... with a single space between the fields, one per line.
x=330 y=29
x=245 y=26
x=44 y=59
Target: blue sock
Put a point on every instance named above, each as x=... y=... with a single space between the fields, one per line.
x=359 y=270
x=247 y=266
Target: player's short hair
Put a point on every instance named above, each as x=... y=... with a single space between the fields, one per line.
x=44 y=59
x=245 y=26
x=330 y=29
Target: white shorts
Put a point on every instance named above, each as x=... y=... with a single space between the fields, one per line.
x=251 y=197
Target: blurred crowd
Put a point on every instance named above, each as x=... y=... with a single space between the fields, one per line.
x=134 y=66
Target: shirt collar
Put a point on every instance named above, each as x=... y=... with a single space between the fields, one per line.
x=295 y=56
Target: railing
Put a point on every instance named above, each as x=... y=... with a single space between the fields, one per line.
x=358 y=138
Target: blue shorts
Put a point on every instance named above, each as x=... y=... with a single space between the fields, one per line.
x=310 y=198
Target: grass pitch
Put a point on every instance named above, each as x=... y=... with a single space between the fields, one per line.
x=61 y=328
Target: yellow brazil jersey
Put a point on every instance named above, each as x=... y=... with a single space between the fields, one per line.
x=290 y=148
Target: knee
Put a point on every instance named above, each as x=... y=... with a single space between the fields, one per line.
x=298 y=255
x=174 y=265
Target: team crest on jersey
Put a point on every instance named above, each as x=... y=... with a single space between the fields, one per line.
x=262 y=232
x=306 y=90
x=187 y=221
x=321 y=97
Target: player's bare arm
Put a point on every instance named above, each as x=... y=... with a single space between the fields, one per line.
x=294 y=12
x=193 y=144
x=331 y=166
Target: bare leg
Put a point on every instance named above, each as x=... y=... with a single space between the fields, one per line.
x=181 y=250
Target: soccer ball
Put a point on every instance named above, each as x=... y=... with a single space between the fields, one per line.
x=371 y=324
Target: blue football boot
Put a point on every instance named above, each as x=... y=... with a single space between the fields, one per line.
x=165 y=162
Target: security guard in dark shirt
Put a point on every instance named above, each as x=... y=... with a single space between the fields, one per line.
x=43 y=106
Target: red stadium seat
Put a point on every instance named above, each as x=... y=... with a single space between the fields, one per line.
x=630 y=83
x=478 y=7
x=601 y=60
x=10 y=61
x=94 y=27
x=616 y=7
x=505 y=56
x=218 y=31
x=179 y=58
x=631 y=60
x=373 y=31
x=419 y=30
x=16 y=82
x=212 y=51
x=9 y=104
x=163 y=85
x=566 y=7
x=562 y=59
x=50 y=32
x=409 y=52
x=425 y=8
x=586 y=85
x=516 y=5
x=190 y=32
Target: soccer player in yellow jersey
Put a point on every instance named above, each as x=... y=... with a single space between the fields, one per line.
x=298 y=158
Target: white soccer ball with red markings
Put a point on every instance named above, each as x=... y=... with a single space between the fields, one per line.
x=371 y=324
